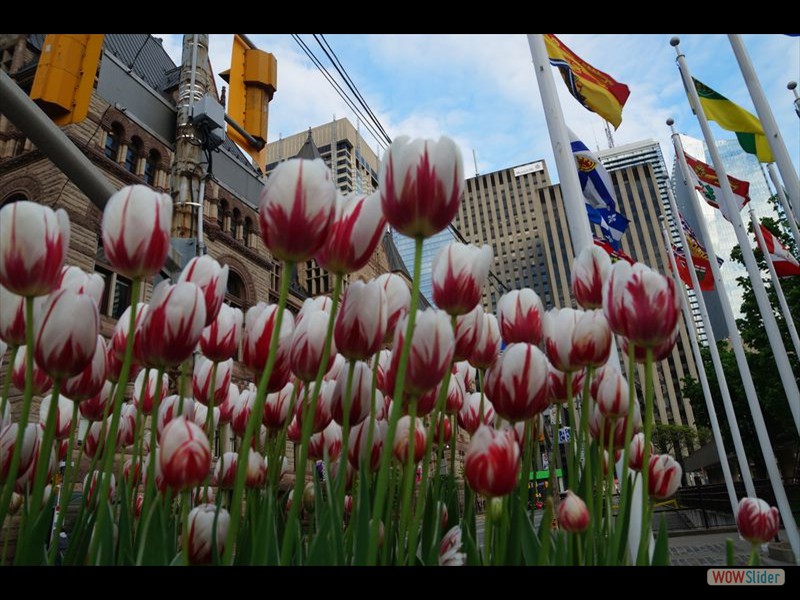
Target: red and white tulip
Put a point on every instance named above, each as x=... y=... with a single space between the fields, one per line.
x=758 y=522
x=259 y=323
x=517 y=382
x=201 y=380
x=203 y=519
x=665 y=476
x=220 y=340
x=90 y=381
x=361 y=321
x=458 y=274
x=402 y=440
x=308 y=344
x=467 y=333
x=590 y=271
x=573 y=515
x=67 y=334
x=212 y=279
x=360 y=395
x=64 y=409
x=487 y=349
x=492 y=461
x=185 y=456
x=42 y=382
x=398 y=300
x=519 y=316
x=145 y=394
x=354 y=234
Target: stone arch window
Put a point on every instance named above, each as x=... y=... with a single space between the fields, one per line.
x=222 y=213
x=247 y=229
x=236 y=294
x=133 y=153
x=113 y=141
x=14 y=197
x=234 y=224
x=151 y=167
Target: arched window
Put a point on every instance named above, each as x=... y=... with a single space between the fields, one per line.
x=15 y=197
x=113 y=138
x=222 y=213
x=247 y=229
x=237 y=218
x=236 y=294
x=150 y=167
x=132 y=154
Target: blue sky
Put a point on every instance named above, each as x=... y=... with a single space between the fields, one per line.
x=481 y=89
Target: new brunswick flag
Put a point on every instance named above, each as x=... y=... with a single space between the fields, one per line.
x=733 y=117
x=595 y=90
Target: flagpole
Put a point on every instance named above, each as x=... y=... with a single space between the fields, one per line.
x=577 y=221
x=765 y=308
x=790 y=216
x=766 y=311
x=722 y=381
x=787 y=314
x=701 y=371
x=773 y=134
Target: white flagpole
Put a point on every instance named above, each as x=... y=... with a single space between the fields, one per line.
x=790 y=216
x=730 y=413
x=764 y=307
x=787 y=314
x=779 y=151
x=701 y=371
x=760 y=292
x=577 y=221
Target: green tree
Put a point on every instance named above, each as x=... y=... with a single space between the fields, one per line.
x=766 y=379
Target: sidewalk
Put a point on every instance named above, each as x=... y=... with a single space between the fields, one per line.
x=708 y=549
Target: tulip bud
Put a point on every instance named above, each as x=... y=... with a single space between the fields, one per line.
x=31 y=440
x=308 y=343
x=119 y=339
x=354 y=234
x=327 y=442
x=456 y=394
x=312 y=305
x=590 y=271
x=172 y=327
x=398 y=301
x=641 y=304
x=137 y=223
x=203 y=521
x=67 y=334
x=467 y=373
x=220 y=340
x=450 y=554
x=420 y=184
x=201 y=380
x=758 y=522
x=276 y=407
x=361 y=322
x=467 y=333
x=322 y=415
x=517 y=382
x=93 y=482
x=259 y=323
x=487 y=349
x=227 y=405
x=212 y=279
x=12 y=318
x=573 y=516
x=519 y=316
x=358 y=449
x=442 y=430
x=225 y=470
x=94 y=409
x=256 y=474
x=665 y=476
x=459 y=272
x=402 y=440
x=469 y=415
x=636 y=452
x=492 y=463
x=33 y=244
x=145 y=394
x=80 y=282
x=309 y=497
x=64 y=409
x=298 y=205
x=660 y=352
x=201 y=416
x=185 y=456
x=360 y=395
x=613 y=395
x=557 y=385
x=430 y=355
x=168 y=411
x=576 y=339
x=90 y=381
x=41 y=381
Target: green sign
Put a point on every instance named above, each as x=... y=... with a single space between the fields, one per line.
x=544 y=474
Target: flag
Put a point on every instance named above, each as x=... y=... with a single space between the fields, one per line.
x=733 y=117
x=785 y=264
x=613 y=253
x=612 y=223
x=695 y=247
x=704 y=179
x=595 y=90
x=701 y=267
x=595 y=180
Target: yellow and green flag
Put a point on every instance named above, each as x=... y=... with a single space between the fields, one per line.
x=733 y=117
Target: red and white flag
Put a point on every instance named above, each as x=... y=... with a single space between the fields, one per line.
x=785 y=264
x=704 y=179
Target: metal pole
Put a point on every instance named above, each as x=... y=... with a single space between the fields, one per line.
x=766 y=313
x=577 y=219
x=764 y=112
x=787 y=314
x=722 y=381
x=701 y=371
x=759 y=291
x=792 y=85
x=53 y=143
x=790 y=216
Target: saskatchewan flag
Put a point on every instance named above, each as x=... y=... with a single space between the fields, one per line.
x=733 y=117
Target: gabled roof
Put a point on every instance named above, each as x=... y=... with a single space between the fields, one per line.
x=309 y=151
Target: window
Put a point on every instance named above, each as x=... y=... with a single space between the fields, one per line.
x=113 y=138
x=132 y=154
x=15 y=197
x=236 y=294
x=116 y=293
x=150 y=167
x=247 y=229
x=234 y=224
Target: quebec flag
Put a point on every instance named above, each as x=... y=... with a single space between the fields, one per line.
x=598 y=191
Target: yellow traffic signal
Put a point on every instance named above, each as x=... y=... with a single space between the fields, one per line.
x=64 y=78
x=252 y=81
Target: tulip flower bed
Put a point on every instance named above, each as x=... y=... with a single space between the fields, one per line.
x=361 y=380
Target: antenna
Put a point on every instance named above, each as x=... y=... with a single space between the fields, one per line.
x=609 y=136
x=475 y=160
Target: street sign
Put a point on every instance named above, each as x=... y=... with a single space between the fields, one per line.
x=563 y=435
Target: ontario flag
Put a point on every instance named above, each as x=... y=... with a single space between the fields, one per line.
x=785 y=264
x=595 y=90
x=704 y=179
x=699 y=253
x=611 y=251
x=701 y=267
